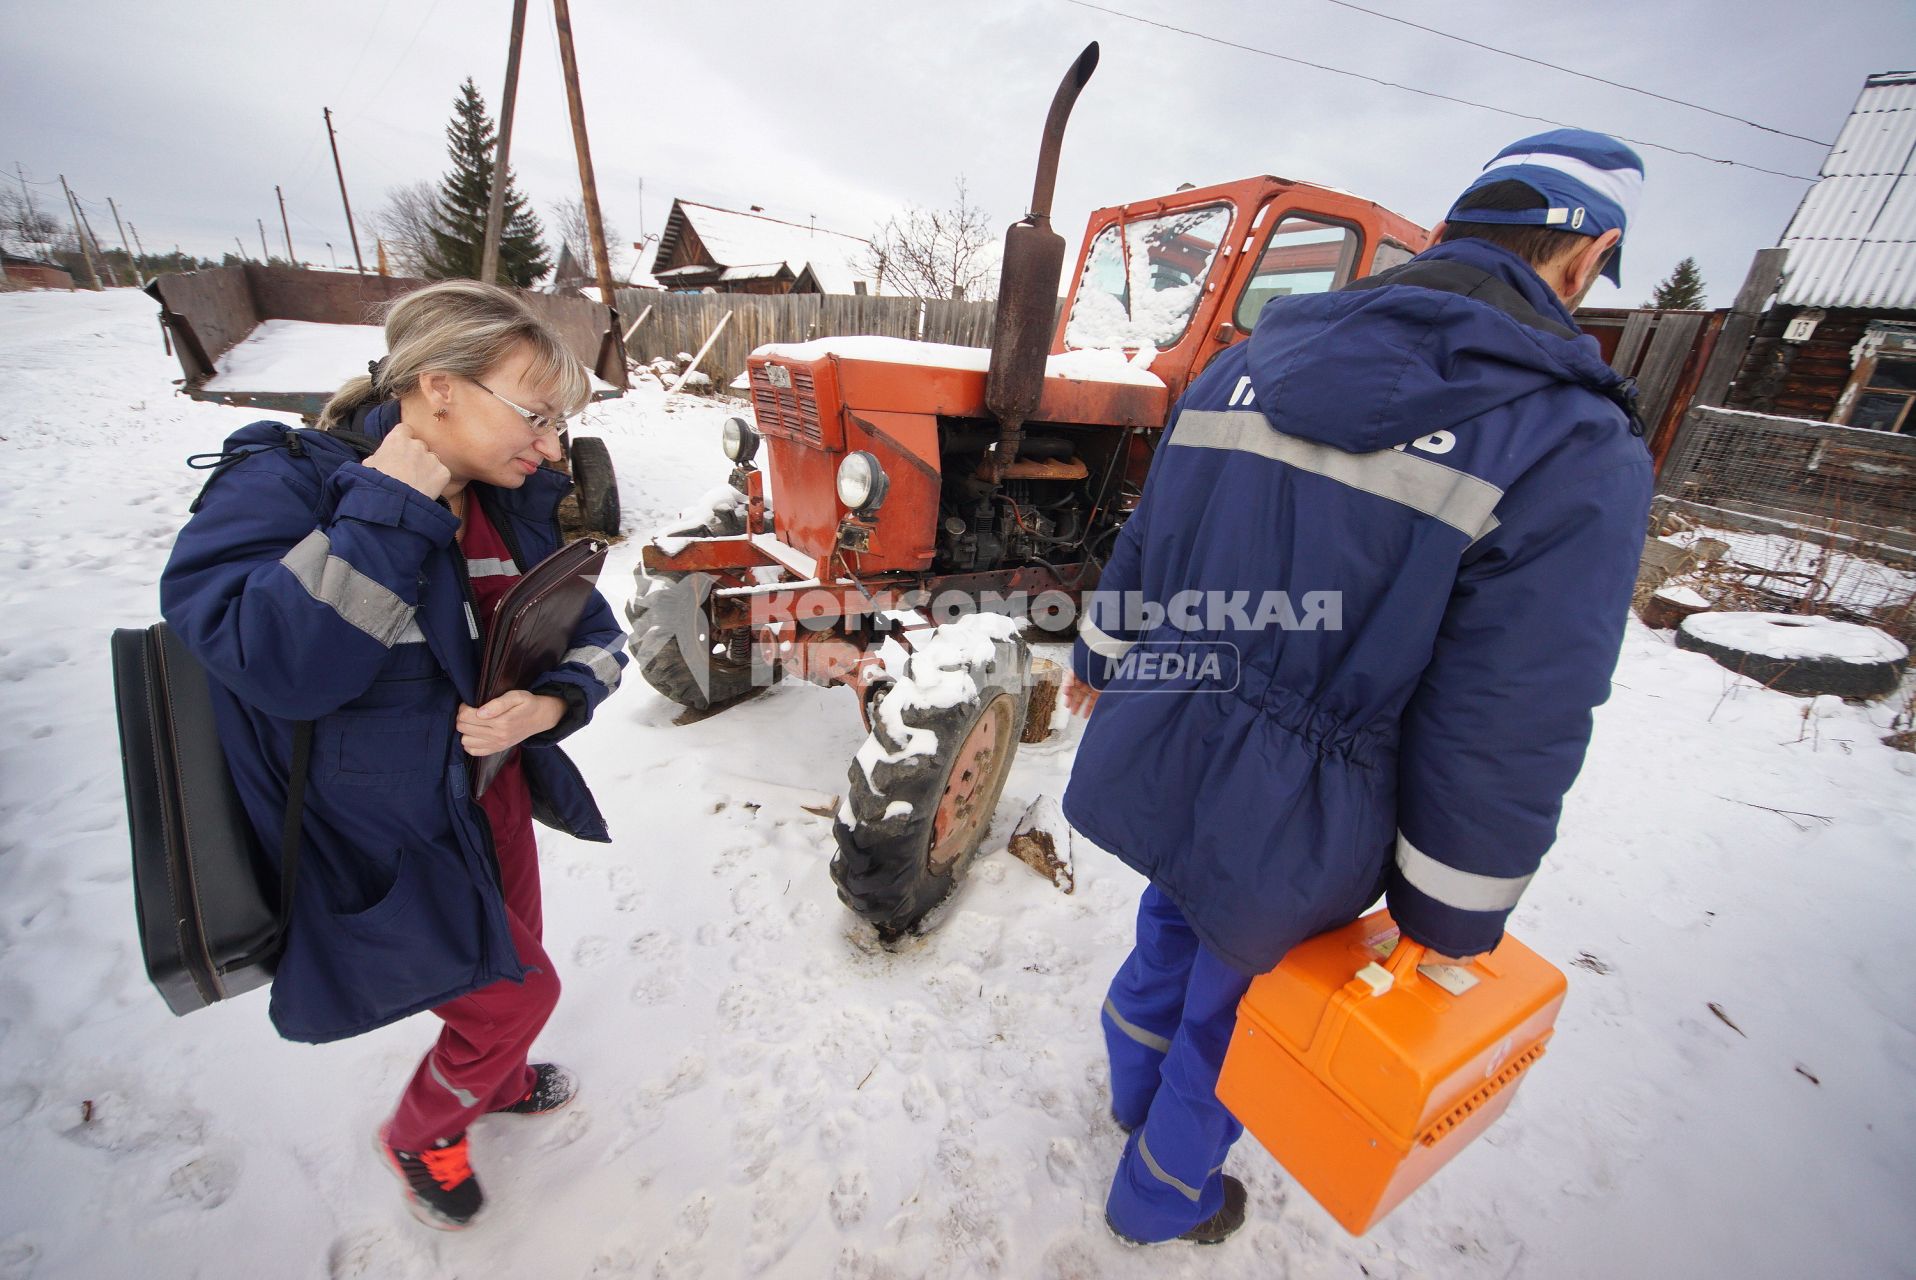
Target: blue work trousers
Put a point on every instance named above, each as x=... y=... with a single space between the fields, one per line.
x=1167 y=1021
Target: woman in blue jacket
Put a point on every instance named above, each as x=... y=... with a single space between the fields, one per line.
x=343 y=578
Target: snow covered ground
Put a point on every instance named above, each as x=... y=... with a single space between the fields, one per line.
x=768 y=1093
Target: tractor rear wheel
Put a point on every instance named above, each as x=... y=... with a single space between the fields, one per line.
x=925 y=785
x=596 y=484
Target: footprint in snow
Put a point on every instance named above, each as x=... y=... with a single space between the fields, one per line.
x=919 y=1097
x=203 y=1183
x=17 y=1256
x=851 y=1196
x=575 y=1124
x=657 y=958
x=591 y=951
x=372 y=1254
x=123 y=1124
x=1063 y=1162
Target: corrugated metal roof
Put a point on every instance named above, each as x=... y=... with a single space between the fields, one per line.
x=1852 y=242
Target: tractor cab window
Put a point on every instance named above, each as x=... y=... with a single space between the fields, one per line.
x=1143 y=279
x=1302 y=254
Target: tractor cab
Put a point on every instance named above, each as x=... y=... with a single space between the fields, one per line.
x=1186 y=275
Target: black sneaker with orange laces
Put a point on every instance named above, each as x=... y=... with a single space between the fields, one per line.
x=440 y=1187
x=553 y=1088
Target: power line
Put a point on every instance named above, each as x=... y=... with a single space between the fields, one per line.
x=1585 y=75
x=374 y=96
x=1428 y=93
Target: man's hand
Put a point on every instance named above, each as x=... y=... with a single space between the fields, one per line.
x=1079 y=697
x=506 y=721
x=404 y=457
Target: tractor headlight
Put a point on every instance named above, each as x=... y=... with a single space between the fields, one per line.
x=862 y=483
x=741 y=441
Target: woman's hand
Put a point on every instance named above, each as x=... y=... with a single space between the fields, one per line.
x=506 y=721
x=404 y=457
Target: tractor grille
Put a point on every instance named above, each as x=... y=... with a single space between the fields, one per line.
x=791 y=411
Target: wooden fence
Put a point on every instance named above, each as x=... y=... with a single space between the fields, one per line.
x=681 y=322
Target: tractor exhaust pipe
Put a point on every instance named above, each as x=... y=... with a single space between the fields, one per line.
x=1028 y=284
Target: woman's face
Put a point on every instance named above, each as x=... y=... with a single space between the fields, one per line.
x=475 y=433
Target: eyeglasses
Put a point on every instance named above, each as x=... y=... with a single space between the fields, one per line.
x=541 y=423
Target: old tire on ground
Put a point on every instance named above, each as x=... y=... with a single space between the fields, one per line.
x=656 y=645
x=1800 y=655
x=912 y=821
x=596 y=485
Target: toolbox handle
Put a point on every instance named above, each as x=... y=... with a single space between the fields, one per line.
x=1404 y=959
x=1402 y=964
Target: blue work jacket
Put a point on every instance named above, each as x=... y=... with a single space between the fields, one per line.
x=313 y=588
x=1443 y=483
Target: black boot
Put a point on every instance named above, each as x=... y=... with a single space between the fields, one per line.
x=1228 y=1218
x=555 y=1087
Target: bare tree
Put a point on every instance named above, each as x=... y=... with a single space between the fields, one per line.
x=570 y=228
x=935 y=253
x=405 y=222
x=24 y=224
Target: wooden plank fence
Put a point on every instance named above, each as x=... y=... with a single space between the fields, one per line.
x=681 y=322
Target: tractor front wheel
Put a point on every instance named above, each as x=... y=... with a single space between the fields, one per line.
x=925 y=785
x=668 y=616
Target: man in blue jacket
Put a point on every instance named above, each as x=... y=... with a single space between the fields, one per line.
x=1404 y=518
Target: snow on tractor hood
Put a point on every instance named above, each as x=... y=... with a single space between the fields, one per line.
x=1073 y=366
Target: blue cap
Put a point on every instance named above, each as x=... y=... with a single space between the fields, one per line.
x=1589 y=183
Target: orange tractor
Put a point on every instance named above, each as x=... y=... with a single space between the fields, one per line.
x=888 y=486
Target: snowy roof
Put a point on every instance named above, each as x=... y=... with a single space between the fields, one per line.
x=756 y=271
x=736 y=239
x=1852 y=242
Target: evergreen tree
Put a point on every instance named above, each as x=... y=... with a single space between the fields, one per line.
x=1682 y=290
x=459 y=214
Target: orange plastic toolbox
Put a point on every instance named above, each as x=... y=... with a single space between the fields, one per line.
x=1363 y=1071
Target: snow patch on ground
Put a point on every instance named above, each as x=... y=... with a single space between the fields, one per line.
x=1799 y=636
x=768 y=1092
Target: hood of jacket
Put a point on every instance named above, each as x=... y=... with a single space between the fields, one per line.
x=1387 y=360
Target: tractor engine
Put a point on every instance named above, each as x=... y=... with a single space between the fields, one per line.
x=988 y=525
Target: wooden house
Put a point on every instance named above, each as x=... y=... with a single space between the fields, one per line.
x=705 y=247
x=1839 y=345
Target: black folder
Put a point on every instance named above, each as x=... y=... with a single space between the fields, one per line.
x=532 y=630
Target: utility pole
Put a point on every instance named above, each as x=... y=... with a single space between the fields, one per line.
x=265 y=254
x=562 y=13
x=138 y=273
x=285 y=226
x=242 y=247
x=86 y=254
x=496 y=209
x=341 y=171
x=33 y=214
x=112 y=277
x=136 y=239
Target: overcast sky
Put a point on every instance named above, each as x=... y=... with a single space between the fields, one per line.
x=845 y=111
